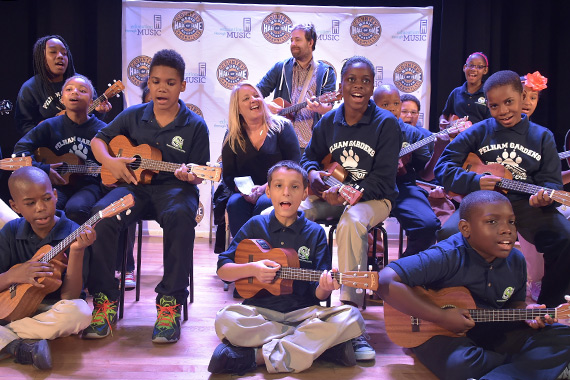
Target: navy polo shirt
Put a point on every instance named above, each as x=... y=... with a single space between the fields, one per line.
x=420 y=156
x=452 y=262
x=185 y=140
x=307 y=238
x=19 y=243
x=462 y=103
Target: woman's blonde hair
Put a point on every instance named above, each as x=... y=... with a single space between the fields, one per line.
x=235 y=135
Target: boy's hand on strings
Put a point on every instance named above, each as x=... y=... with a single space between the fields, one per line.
x=540 y=199
x=26 y=273
x=316 y=181
x=264 y=270
x=84 y=239
x=332 y=197
x=540 y=322
x=328 y=282
x=104 y=107
x=488 y=182
x=184 y=174
x=458 y=321
x=120 y=169
x=54 y=176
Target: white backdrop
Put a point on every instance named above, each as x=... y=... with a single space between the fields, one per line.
x=223 y=44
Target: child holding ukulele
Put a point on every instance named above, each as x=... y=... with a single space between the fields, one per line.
x=292 y=330
x=34 y=198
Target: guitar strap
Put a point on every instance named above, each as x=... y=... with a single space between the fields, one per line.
x=306 y=84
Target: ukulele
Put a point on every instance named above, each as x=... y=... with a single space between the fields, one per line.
x=115 y=89
x=288 y=109
x=409 y=331
x=148 y=162
x=250 y=250
x=474 y=164
x=456 y=126
x=71 y=163
x=22 y=300
x=14 y=163
x=5 y=107
x=338 y=175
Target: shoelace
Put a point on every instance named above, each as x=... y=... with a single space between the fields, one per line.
x=166 y=314
x=102 y=311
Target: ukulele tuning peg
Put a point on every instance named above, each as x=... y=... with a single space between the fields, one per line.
x=358 y=268
x=118 y=216
x=13 y=155
x=23 y=154
x=128 y=212
x=108 y=84
x=370 y=268
x=567 y=298
x=114 y=81
x=118 y=95
x=358 y=291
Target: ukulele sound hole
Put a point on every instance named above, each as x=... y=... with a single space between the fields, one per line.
x=136 y=163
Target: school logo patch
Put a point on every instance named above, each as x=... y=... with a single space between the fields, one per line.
x=508 y=293
x=194 y=108
x=276 y=28
x=177 y=143
x=304 y=253
x=138 y=69
x=188 y=25
x=482 y=101
x=200 y=213
x=408 y=76
x=365 y=30
x=230 y=72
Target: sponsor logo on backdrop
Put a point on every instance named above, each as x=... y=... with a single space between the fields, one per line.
x=188 y=25
x=230 y=72
x=138 y=68
x=408 y=76
x=330 y=35
x=379 y=76
x=365 y=30
x=221 y=124
x=194 y=108
x=237 y=32
x=147 y=30
x=419 y=34
x=420 y=120
x=200 y=213
x=199 y=77
x=276 y=28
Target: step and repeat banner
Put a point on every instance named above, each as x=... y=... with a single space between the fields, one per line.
x=223 y=44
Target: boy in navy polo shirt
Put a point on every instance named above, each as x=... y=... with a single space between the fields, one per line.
x=292 y=330
x=483 y=259
x=528 y=151
x=182 y=137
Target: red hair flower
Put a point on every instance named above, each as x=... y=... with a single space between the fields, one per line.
x=535 y=81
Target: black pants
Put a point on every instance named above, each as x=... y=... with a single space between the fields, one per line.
x=174 y=208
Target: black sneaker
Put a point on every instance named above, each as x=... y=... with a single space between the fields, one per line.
x=104 y=316
x=232 y=359
x=342 y=354
x=32 y=351
x=167 y=326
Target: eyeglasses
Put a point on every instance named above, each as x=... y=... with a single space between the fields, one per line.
x=478 y=67
x=405 y=112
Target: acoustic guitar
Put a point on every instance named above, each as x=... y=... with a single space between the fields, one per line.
x=114 y=90
x=288 y=109
x=14 y=163
x=148 y=162
x=22 y=300
x=409 y=331
x=474 y=164
x=250 y=250
x=71 y=163
x=338 y=174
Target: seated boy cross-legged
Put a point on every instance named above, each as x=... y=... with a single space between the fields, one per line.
x=481 y=258
x=285 y=332
x=25 y=338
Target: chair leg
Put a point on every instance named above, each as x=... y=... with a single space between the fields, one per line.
x=331 y=239
x=401 y=243
x=385 y=241
x=139 y=259
x=123 y=276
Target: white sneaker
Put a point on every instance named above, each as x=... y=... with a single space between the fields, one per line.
x=565 y=374
x=363 y=350
x=130 y=282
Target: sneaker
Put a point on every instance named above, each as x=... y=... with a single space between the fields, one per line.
x=32 y=351
x=363 y=350
x=130 y=282
x=342 y=354
x=228 y=358
x=103 y=318
x=565 y=374
x=167 y=326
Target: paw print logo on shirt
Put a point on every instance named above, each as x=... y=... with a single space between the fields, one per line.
x=510 y=159
x=79 y=150
x=349 y=159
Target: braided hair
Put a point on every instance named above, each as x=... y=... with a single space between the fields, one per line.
x=40 y=65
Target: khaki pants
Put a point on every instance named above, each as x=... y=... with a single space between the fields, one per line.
x=351 y=233
x=290 y=341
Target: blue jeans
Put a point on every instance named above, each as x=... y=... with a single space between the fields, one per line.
x=240 y=211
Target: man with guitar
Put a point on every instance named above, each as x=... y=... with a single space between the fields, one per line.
x=527 y=153
x=291 y=329
x=25 y=278
x=300 y=78
x=448 y=329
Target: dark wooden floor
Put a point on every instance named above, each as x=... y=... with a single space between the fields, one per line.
x=130 y=354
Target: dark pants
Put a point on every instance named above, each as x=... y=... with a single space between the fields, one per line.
x=415 y=215
x=174 y=208
x=78 y=200
x=549 y=231
x=497 y=351
x=240 y=210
